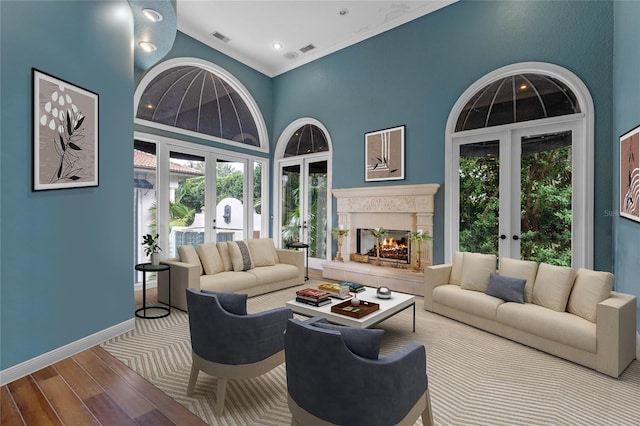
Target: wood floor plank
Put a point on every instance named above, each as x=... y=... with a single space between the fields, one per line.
x=32 y=403
x=132 y=402
x=107 y=411
x=66 y=403
x=9 y=413
x=154 y=418
x=172 y=409
x=79 y=380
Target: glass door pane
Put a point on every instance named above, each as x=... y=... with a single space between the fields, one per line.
x=145 y=175
x=257 y=201
x=186 y=200
x=479 y=197
x=290 y=208
x=546 y=192
x=230 y=189
x=315 y=223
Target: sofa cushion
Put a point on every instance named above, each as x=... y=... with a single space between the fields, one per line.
x=473 y=302
x=364 y=342
x=188 y=254
x=210 y=258
x=263 y=252
x=553 y=286
x=228 y=281
x=589 y=289
x=525 y=269
x=240 y=255
x=506 y=288
x=456 y=268
x=273 y=274
x=561 y=327
x=235 y=303
x=223 y=249
x=476 y=268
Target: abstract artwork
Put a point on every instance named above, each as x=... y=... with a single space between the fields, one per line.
x=630 y=174
x=384 y=154
x=65 y=134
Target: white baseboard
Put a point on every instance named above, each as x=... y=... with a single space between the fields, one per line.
x=150 y=284
x=25 y=368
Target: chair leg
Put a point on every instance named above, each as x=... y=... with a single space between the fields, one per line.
x=193 y=378
x=427 y=414
x=222 y=390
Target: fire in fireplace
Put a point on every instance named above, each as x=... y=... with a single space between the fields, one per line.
x=394 y=247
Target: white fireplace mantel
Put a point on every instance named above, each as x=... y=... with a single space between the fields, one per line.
x=399 y=207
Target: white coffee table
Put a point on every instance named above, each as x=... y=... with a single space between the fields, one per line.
x=388 y=307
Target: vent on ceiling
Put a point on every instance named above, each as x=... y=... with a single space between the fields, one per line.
x=221 y=37
x=307 y=48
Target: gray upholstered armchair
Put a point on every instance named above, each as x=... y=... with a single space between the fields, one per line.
x=335 y=376
x=228 y=343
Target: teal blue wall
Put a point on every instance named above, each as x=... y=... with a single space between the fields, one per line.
x=414 y=74
x=67 y=255
x=626 y=115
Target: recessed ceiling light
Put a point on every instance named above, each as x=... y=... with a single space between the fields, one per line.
x=343 y=12
x=277 y=45
x=147 y=46
x=152 y=15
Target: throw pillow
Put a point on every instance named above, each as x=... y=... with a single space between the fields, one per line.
x=210 y=258
x=552 y=287
x=223 y=249
x=476 y=268
x=234 y=303
x=525 y=269
x=240 y=256
x=456 y=268
x=188 y=254
x=590 y=288
x=364 y=342
x=263 y=252
x=509 y=289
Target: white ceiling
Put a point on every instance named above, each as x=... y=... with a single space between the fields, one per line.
x=253 y=26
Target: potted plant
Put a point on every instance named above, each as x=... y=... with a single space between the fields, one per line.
x=151 y=248
x=339 y=232
x=378 y=233
x=419 y=237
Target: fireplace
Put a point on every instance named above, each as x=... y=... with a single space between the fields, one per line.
x=400 y=207
x=394 y=247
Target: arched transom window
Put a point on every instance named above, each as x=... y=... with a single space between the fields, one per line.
x=308 y=139
x=196 y=99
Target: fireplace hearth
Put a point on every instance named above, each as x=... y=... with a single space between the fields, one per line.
x=394 y=247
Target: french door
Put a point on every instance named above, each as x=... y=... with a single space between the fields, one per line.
x=303 y=205
x=515 y=191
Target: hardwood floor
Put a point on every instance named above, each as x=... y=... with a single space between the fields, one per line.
x=92 y=388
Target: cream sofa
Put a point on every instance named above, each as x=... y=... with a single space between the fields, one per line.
x=250 y=266
x=571 y=314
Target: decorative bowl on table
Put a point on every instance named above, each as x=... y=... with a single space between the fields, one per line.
x=383 y=293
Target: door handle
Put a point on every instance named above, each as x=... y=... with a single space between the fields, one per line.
x=503 y=237
x=516 y=238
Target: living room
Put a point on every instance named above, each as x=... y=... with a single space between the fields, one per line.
x=67 y=258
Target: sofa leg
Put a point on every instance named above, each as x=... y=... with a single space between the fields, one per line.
x=193 y=378
x=222 y=390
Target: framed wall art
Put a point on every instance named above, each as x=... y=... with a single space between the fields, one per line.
x=630 y=174
x=384 y=154
x=65 y=134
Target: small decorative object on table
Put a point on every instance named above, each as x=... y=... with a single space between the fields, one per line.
x=418 y=237
x=151 y=248
x=383 y=293
x=378 y=233
x=340 y=233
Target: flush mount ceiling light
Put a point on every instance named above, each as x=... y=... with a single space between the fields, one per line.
x=147 y=46
x=277 y=45
x=152 y=15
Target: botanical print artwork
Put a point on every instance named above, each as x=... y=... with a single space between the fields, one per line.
x=385 y=154
x=630 y=175
x=65 y=134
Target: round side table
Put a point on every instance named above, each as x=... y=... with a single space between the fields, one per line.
x=148 y=267
x=299 y=245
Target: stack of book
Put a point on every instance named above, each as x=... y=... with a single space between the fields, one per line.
x=354 y=287
x=312 y=296
x=335 y=289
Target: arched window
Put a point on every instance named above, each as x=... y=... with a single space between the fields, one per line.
x=519 y=167
x=191 y=96
x=303 y=188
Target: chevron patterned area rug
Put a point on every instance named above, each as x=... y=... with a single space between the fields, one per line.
x=475 y=378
